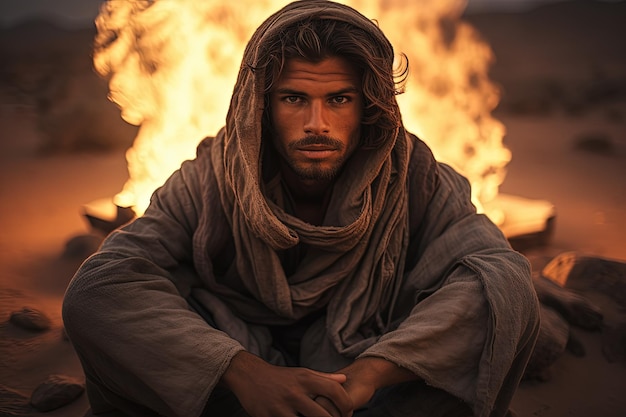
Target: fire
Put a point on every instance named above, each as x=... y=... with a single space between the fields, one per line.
x=172 y=65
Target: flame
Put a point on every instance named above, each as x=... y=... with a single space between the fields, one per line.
x=172 y=65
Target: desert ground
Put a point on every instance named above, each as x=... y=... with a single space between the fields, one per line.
x=562 y=70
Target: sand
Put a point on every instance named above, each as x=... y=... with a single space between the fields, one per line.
x=540 y=52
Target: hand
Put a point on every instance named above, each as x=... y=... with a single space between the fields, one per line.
x=359 y=388
x=366 y=375
x=265 y=390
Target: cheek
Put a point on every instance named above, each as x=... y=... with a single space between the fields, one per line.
x=351 y=125
x=352 y=119
x=282 y=121
x=280 y=132
x=355 y=138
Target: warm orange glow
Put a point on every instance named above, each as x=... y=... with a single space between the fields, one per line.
x=173 y=65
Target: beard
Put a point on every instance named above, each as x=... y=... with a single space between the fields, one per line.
x=316 y=170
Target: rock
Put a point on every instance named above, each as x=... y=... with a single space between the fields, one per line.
x=30 y=319
x=55 y=392
x=573 y=307
x=13 y=403
x=82 y=246
x=551 y=343
x=585 y=273
x=602 y=277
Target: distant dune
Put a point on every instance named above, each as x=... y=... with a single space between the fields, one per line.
x=47 y=76
x=568 y=55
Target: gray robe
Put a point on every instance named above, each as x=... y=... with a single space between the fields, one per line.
x=464 y=317
x=402 y=268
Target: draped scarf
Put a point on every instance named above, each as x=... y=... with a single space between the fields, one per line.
x=355 y=258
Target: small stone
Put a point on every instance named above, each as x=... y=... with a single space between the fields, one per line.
x=30 y=319
x=55 y=392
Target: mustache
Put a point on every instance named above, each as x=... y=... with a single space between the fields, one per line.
x=323 y=140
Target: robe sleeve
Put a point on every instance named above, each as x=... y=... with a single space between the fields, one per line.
x=473 y=312
x=445 y=333
x=126 y=314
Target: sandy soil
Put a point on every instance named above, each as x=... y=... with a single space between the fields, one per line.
x=41 y=196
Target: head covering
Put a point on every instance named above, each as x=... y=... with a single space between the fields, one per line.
x=358 y=252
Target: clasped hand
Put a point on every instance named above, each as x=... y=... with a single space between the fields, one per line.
x=266 y=390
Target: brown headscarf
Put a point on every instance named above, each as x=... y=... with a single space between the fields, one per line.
x=357 y=254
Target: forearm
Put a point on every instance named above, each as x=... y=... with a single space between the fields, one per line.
x=368 y=374
x=377 y=372
x=441 y=341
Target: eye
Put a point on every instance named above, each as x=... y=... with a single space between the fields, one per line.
x=340 y=99
x=291 y=99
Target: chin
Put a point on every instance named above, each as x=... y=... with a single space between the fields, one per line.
x=316 y=173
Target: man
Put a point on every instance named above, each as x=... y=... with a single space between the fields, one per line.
x=312 y=260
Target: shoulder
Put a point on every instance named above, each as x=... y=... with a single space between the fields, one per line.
x=207 y=146
x=423 y=172
x=208 y=152
x=426 y=172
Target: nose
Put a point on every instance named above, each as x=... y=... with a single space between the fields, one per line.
x=316 y=119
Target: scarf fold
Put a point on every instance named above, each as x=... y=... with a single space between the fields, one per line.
x=355 y=256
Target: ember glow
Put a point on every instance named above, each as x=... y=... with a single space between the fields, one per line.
x=172 y=66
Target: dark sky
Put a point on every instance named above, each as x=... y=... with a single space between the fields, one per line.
x=69 y=12
x=72 y=13
x=80 y=12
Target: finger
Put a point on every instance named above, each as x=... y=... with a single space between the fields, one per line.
x=333 y=392
x=328 y=406
x=313 y=408
x=341 y=378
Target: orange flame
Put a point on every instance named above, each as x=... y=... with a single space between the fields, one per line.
x=172 y=65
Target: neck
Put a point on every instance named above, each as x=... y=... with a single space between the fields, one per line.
x=310 y=197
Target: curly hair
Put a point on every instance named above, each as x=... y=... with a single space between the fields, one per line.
x=316 y=39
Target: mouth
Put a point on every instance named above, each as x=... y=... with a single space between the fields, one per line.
x=317 y=151
x=316 y=147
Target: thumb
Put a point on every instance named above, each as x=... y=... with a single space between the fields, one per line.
x=340 y=378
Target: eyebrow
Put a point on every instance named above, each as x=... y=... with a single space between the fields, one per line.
x=288 y=91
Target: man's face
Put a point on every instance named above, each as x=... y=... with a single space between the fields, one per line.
x=316 y=116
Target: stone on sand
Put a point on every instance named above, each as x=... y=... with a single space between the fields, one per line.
x=31 y=319
x=55 y=392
